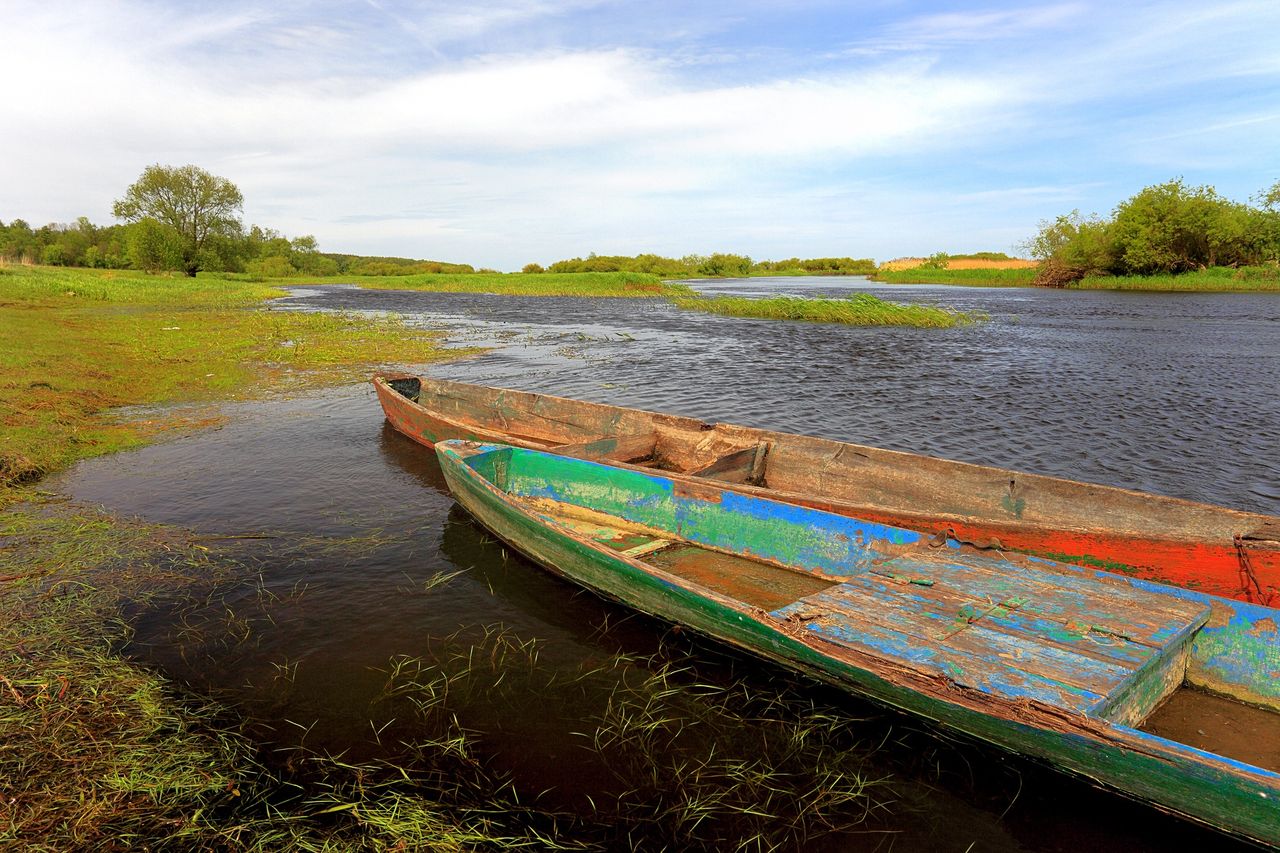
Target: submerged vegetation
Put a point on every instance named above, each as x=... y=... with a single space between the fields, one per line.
x=102 y=753
x=860 y=309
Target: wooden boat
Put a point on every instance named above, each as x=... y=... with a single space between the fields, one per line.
x=1221 y=551
x=1070 y=665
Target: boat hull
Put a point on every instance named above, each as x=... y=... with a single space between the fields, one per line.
x=1197 y=546
x=1218 y=792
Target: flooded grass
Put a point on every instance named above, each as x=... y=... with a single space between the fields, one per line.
x=861 y=309
x=1024 y=277
x=79 y=343
x=665 y=760
x=97 y=752
x=102 y=753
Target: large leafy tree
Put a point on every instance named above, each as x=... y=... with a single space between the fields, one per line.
x=198 y=206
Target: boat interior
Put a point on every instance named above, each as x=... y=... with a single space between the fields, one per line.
x=1002 y=626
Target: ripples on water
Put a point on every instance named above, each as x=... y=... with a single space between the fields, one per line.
x=1177 y=394
x=1172 y=393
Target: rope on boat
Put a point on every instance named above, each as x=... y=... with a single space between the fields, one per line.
x=1248 y=577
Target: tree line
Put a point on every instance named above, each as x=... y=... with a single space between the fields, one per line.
x=717 y=264
x=1168 y=228
x=185 y=219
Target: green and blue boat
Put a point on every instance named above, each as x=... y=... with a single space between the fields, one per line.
x=1170 y=696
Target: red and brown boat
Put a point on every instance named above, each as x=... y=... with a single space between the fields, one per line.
x=1217 y=550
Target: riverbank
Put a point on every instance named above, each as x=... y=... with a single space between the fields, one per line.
x=1211 y=280
x=1020 y=277
x=82 y=344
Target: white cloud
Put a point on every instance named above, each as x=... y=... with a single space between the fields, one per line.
x=501 y=158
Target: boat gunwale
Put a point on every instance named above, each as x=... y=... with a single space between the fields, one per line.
x=823 y=503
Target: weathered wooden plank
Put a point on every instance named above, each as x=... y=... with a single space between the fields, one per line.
x=749 y=581
x=979 y=656
x=1079 y=598
x=621 y=448
x=732 y=467
x=1036 y=614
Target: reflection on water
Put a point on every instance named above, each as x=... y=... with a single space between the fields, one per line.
x=1164 y=392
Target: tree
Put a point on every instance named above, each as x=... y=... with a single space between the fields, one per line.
x=936 y=261
x=154 y=246
x=194 y=203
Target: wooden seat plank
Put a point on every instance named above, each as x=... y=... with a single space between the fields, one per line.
x=1033 y=615
x=1077 y=597
x=969 y=663
x=980 y=656
x=1015 y=631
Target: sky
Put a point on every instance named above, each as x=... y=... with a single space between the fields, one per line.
x=503 y=133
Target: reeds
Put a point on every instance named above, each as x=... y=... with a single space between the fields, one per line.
x=1266 y=278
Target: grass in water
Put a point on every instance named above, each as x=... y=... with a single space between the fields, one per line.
x=861 y=309
x=100 y=753
x=79 y=343
x=670 y=761
x=973 y=277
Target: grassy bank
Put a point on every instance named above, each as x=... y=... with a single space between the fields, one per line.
x=1220 y=279
x=596 y=284
x=79 y=343
x=861 y=309
x=972 y=277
